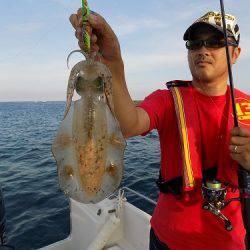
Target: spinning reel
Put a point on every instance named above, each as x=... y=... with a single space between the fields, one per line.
x=214 y=194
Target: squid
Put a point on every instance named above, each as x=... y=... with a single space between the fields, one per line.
x=89 y=145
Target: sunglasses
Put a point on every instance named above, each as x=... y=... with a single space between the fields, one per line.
x=212 y=43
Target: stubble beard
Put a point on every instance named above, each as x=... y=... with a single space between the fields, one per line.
x=202 y=75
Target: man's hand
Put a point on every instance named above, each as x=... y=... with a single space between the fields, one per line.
x=103 y=39
x=240 y=147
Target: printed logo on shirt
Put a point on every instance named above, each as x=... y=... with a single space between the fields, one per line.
x=243 y=110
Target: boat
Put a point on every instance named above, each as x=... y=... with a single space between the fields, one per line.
x=113 y=224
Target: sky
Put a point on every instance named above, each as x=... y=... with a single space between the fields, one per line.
x=36 y=38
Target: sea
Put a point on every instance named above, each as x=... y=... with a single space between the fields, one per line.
x=37 y=212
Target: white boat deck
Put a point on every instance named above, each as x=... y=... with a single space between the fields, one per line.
x=90 y=221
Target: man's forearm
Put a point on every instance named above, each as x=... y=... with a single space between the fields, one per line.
x=125 y=109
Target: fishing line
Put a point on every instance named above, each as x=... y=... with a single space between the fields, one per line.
x=236 y=124
x=243 y=174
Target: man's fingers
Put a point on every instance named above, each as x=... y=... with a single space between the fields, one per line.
x=235 y=149
x=78 y=34
x=74 y=20
x=238 y=140
x=96 y=21
x=103 y=38
x=81 y=45
x=236 y=157
x=99 y=23
x=243 y=159
x=240 y=132
x=79 y=12
x=80 y=23
x=93 y=38
x=94 y=48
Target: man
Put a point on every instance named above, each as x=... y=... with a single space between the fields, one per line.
x=194 y=122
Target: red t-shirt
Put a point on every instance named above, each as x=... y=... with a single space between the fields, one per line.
x=176 y=223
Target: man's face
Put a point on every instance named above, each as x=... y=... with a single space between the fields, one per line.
x=209 y=64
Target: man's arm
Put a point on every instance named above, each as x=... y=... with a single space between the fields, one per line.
x=133 y=120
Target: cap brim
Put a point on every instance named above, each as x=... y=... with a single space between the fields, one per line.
x=194 y=26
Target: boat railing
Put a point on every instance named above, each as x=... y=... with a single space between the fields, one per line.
x=139 y=194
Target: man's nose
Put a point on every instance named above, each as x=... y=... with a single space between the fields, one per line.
x=203 y=50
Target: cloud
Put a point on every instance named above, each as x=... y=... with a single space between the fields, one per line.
x=33 y=80
x=151 y=44
x=125 y=26
x=245 y=43
x=26 y=28
x=152 y=61
x=68 y=3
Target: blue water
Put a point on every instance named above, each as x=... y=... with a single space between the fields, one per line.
x=37 y=212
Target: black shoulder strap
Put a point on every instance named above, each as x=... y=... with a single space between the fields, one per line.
x=177 y=83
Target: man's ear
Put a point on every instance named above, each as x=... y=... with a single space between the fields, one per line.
x=235 y=54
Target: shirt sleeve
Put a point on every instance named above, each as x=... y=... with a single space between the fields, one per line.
x=155 y=105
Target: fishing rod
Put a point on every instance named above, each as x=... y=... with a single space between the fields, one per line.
x=243 y=175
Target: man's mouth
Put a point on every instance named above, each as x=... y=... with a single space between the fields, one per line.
x=202 y=62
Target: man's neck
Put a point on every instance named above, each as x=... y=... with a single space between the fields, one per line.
x=211 y=88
